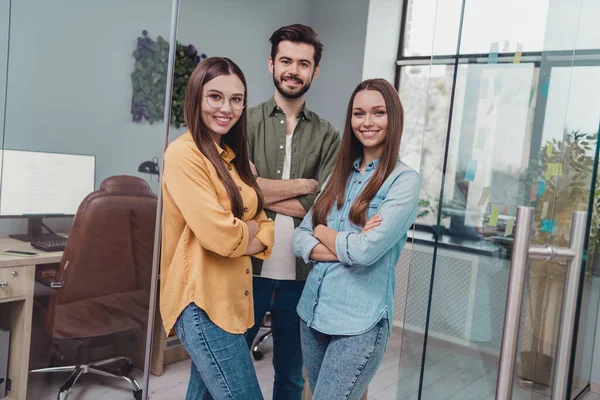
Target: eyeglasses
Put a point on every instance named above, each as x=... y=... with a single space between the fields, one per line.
x=215 y=100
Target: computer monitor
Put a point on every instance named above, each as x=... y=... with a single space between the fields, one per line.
x=36 y=185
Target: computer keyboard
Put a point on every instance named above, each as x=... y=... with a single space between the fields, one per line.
x=50 y=244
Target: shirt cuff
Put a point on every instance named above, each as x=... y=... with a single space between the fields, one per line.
x=341 y=247
x=310 y=242
x=242 y=246
x=265 y=236
x=307 y=201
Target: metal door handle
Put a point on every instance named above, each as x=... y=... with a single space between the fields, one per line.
x=516 y=282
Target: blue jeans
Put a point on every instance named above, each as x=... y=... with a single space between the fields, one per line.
x=221 y=365
x=280 y=298
x=341 y=367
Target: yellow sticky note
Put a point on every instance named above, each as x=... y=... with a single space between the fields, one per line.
x=557 y=169
x=518 y=53
x=485 y=193
x=509 y=227
x=553 y=169
x=548 y=172
x=549 y=149
x=494 y=216
x=545 y=209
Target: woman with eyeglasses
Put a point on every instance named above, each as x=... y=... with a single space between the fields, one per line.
x=213 y=221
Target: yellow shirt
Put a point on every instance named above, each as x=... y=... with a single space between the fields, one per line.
x=203 y=243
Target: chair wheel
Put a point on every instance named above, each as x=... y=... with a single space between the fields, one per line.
x=137 y=394
x=258 y=355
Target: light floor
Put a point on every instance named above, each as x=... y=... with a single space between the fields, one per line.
x=451 y=374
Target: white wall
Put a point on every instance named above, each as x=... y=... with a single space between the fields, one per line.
x=240 y=30
x=381 y=43
x=4 y=12
x=342 y=26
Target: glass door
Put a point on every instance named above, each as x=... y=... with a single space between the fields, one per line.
x=503 y=109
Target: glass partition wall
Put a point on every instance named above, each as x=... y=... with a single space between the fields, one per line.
x=82 y=98
x=502 y=113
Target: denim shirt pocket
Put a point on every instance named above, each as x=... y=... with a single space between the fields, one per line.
x=374 y=206
x=371 y=211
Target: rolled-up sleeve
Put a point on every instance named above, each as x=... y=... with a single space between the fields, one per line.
x=330 y=150
x=304 y=241
x=266 y=235
x=188 y=182
x=398 y=212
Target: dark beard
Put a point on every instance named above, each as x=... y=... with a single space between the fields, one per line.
x=293 y=95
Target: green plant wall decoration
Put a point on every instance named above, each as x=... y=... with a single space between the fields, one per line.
x=149 y=79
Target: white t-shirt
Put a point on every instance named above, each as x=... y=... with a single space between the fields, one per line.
x=282 y=263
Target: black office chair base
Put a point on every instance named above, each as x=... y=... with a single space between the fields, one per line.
x=256 y=353
x=94 y=368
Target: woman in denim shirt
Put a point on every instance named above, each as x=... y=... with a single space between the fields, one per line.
x=354 y=235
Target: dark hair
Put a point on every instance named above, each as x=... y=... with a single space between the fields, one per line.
x=351 y=148
x=297 y=33
x=236 y=138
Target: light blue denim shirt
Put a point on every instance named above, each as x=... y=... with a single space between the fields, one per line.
x=349 y=296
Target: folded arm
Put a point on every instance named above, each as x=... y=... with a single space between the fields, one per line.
x=262 y=244
x=290 y=207
x=188 y=182
x=277 y=190
x=307 y=247
x=398 y=212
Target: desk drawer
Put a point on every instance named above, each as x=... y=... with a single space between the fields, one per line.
x=13 y=282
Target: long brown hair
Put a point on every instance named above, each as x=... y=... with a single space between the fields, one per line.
x=236 y=138
x=351 y=148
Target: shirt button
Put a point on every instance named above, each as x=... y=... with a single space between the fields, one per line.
x=278 y=171
x=247 y=293
x=229 y=167
x=247 y=271
x=341 y=219
x=281 y=146
x=240 y=188
x=316 y=299
x=282 y=122
x=320 y=279
x=359 y=181
x=245 y=209
x=371 y=165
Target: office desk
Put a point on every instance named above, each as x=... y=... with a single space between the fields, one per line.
x=17 y=278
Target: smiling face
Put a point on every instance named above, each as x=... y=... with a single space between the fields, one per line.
x=370 y=121
x=293 y=68
x=222 y=104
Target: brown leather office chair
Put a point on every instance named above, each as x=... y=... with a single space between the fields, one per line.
x=102 y=286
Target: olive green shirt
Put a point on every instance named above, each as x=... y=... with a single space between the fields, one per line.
x=315 y=144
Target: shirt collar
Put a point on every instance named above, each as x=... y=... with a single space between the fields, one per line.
x=226 y=153
x=370 y=166
x=274 y=109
